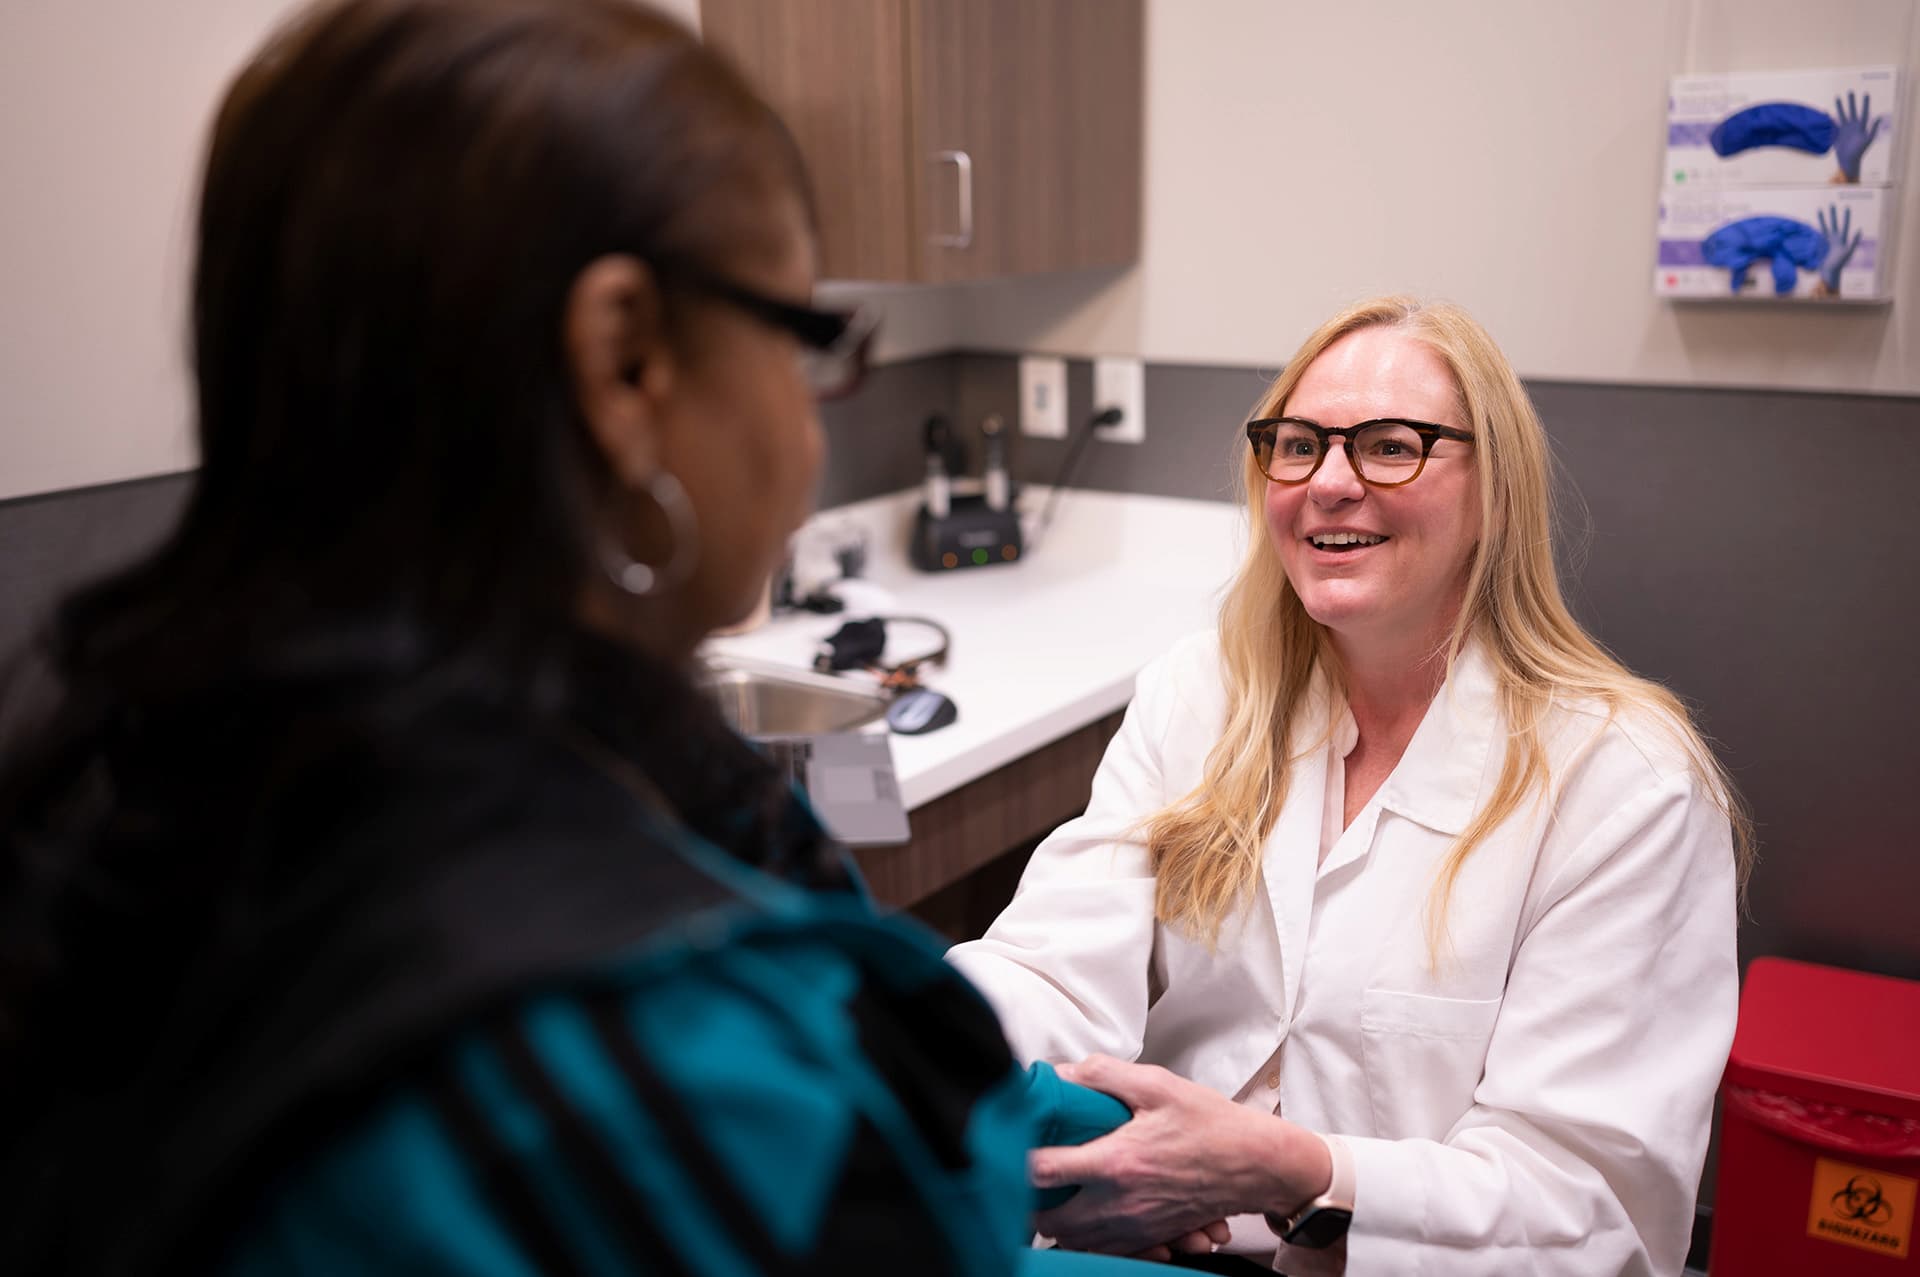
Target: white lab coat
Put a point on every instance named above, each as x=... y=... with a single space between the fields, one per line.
x=1539 y=1103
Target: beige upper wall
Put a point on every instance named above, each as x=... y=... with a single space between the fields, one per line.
x=104 y=107
x=1504 y=154
x=1500 y=152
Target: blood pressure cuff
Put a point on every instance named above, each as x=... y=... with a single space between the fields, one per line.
x=1773 y=124
x=1068 y=1114
x=1786 y=242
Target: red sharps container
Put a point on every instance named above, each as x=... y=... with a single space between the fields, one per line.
x=1820 y=1139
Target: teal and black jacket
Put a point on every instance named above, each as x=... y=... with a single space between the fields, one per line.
x=756 y=1092
x=427 y=986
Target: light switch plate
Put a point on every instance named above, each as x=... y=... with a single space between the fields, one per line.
x=1043 y=396
x=1122 y=384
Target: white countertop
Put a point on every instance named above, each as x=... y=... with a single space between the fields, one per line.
x=1041 y=647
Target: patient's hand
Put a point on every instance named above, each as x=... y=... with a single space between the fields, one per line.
x=1189 y=1159
x=1198 y=1243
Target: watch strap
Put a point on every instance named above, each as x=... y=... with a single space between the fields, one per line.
x=1339 y=1194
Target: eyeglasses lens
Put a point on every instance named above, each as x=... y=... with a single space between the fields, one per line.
x=1386 y=453
x=837 y=372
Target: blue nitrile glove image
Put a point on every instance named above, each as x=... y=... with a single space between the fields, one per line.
x=1856 y=131
x=1068 y=1113
x=1788 y=244
x=1842 y=239
x=1774 y=124
x=1848 y=132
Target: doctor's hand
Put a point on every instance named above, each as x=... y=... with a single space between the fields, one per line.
x=1189 y=1159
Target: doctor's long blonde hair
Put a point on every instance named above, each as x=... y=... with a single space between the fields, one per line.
x=1206 y=847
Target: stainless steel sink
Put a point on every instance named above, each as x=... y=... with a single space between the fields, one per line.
x=763 y=701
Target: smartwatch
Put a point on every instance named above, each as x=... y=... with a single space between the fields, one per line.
x=1324 y=1220
x=1316 y=1226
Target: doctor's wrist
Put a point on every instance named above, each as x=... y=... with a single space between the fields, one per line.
x=1321 y=1220
x=1295 y=1166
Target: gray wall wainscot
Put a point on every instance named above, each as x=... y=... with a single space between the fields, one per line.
x=873 y=437
x=1754 y=551
x=51 y=543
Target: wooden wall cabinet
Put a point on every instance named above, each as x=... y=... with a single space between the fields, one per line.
x=954 y=140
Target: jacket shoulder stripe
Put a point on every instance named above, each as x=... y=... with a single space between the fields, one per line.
x=503 y=1180
x=606 y=1186
x=652 y=1092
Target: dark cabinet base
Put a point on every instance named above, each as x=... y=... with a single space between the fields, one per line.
x=964 y=910
x=986 y=828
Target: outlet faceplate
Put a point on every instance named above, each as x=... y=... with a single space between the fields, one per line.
x=1122 y=384
x=1043 y=396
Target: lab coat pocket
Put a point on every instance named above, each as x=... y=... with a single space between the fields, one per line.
x=1424 y=1056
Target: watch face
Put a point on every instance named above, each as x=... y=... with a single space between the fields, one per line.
x=1320 y=1227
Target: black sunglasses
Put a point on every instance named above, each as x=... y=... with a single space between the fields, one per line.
x=837 y=343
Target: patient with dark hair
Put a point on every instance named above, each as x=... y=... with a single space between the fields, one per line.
x=378 y=894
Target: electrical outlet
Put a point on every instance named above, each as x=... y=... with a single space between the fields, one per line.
x=1043 y=396
x=1122 y=384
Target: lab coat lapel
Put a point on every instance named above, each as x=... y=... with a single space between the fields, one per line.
x=1437 y=782
x=1291 y=859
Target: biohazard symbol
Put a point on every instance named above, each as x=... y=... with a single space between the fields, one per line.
x=1860 y=1200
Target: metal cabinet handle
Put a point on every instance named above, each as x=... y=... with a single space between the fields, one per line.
x=963 y=164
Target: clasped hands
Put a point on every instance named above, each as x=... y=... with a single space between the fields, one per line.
x=1169 y=1179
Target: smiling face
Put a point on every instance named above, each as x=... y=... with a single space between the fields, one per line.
x=1378 y=567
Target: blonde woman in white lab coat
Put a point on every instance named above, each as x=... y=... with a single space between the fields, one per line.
x=1423 y=906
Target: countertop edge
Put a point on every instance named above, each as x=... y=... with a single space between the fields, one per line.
x=1009 y=747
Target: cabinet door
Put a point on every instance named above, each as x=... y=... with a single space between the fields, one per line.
x=1044 y=98
x=836 y=70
